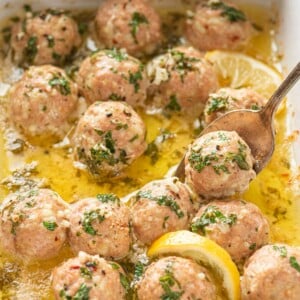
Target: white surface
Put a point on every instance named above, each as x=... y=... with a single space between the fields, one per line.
x=289 y=38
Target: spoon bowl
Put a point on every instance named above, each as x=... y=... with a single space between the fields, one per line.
x=254 y=127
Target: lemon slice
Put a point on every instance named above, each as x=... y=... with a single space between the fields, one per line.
x=239 y=70
x=189 y=244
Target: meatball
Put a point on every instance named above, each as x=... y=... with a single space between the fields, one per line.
x=227 y=99
x=160 y=206
x=42 y=102
x=49 y=37
x=180 y=276
x=130 y=24
x=113 y=75
x=100 y=226
x=33 y=224
x=272 y=272
x=237 y=226
x=219 y=164
x=217 y=25
x=108 y=138
x=88 y=277
x=181 y=80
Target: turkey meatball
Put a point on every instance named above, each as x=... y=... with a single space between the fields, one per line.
x=113 y=75
x=160 y=206
x=219 y=164
x=237 y=226
x=88 y=277
x=272 y=272
x=180 y=276
x=33 y=224
x=228 y=99
x=100 y=226
x=49 y=37
x=42 y=102
x=108 y=138
x=181 y=80
x=217 y=25
x=130 y=24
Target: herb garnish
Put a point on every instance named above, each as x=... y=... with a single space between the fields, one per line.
x=230 y=12
x=134 y=78
x=212 y=215
x=153 y=152
x=137 y=19
x=89 y=217
x=138 y=271
x=31 y=49
x=106 y=198
x=51 y=41
x=173 y=105
x=167 y=282
x=215 y=104
x=281 y=249
x=162 y=201
x=294 y=264
x=125 y=282
x=61 y=83
x=240 y=157
x=116 y=54
x=82 y=293
x=116 y=97
x=50 y=225
x=85 y=272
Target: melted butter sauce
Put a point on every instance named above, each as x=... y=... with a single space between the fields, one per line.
x=273 y=190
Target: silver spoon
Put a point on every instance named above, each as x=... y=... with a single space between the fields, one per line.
x=254 y=127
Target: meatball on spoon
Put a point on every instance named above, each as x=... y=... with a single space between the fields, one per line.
x=255 y=127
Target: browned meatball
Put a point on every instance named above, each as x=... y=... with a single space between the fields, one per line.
x=33 y=224
x=88 y=277
x=42 y=101
x=130 y=24
x=272 y=273
x=217 y=25
x=227 y=99
x=237 y=226
x=108 y=138
x=181 y=80
x=219 y=164
x=46 y=38
x=160 y=206
x=182 y=277
x=100 y=226
x=113 y=75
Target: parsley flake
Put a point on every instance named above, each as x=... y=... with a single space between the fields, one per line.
x=61 y=83
x=229 y=12
x=294 y=263
x=89 y=217
x=50 y=225
x=31 y=49
x=136 y=20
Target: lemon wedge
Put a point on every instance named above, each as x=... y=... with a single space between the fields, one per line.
x=239 y=70
x=188 y=244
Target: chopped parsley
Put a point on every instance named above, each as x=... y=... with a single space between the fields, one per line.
x=134 y=78
x=168 y=282
x=240 y=157
x=281 y=249
x=173 y=105
x=89 y=217
x=82 y=28
x=51 y=41
x=229 y=12
x=116 y=54
x=255 y=107
x=106 y=198
x=114 y=266
x=61 y=83
x=162 y=201
x=183 y=63
x=82 y=293
x=294 y=263
x=212 y=215
x=136 y=20
x=199 y=162
x=252 y=246
x=216 y=104
x=50 y=225
x=138 y=271
x=125 y=282
x=85 y=272
x=116 y=97
x=153 y=152
x=31 y=49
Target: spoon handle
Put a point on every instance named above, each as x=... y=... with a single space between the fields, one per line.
x=280 y=93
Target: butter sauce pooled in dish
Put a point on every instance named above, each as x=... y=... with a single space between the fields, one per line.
x=96 y=107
